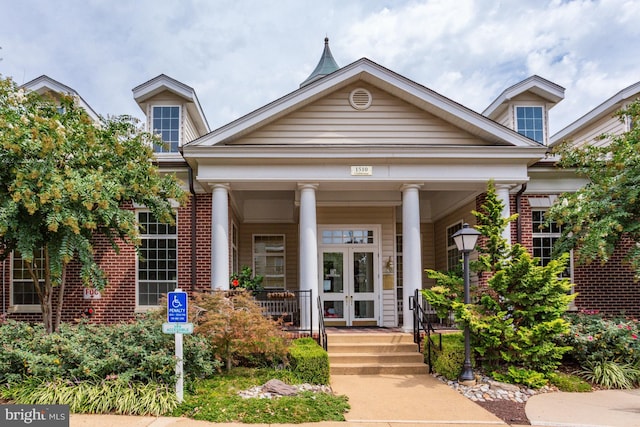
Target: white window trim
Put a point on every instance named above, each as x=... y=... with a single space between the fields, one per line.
x=145 y=308
x=180 y=128
x=19 y=308
x=284 y=257
x=544 y=119
x=450 y=247
x=235 y=248
x=542 y=206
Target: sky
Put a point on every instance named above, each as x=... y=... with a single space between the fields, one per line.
x=239 y=55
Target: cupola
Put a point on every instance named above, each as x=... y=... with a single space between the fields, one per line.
x=326 y=65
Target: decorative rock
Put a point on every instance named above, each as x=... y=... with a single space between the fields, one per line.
x=279 y=388
x=487 y=389
x=259 y=392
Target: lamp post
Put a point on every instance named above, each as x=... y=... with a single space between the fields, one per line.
x=465 y=240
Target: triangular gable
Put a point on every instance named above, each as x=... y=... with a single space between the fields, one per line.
x=366 y=71
x=44 y=84
x=147 y=90
x=603 y=111
x=359 y=114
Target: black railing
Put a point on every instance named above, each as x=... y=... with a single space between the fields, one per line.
x=292 y=307
x=322 y=332
x=422 y=326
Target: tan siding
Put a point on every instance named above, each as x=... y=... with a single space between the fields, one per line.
x=189 y=132
x=291 y=247
x=530 y=98
x=506 y=118
x=610 y=125
x=440 y=232
x=428 y=250
x=333 y=120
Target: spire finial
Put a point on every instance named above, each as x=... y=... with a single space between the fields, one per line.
x=327 y=65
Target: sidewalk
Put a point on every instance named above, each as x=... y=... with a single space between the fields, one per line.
x=421 y=400
x=615 y=408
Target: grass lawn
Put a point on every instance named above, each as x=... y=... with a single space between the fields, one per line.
x=216 y=400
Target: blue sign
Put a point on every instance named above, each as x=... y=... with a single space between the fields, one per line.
x=177 y=307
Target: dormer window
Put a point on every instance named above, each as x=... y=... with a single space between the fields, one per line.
x=530 y=123
x=166 y=123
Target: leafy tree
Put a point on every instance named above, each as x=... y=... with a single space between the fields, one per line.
x=600 y=214
x=516 y=316
x=64 y=179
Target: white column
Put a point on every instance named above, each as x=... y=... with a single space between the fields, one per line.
x=502 y=191
x=220 y=237
x=308 y=252
x=411 y=250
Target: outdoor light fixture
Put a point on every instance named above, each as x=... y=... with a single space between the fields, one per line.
x=389 y=265
x=465 y=240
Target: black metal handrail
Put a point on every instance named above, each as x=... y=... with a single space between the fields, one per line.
x=289 y=306
x=322 y=332
x=422 y=324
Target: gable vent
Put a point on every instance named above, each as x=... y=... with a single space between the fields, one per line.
x=360 y=99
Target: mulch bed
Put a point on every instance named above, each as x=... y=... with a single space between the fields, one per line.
x=508 y=411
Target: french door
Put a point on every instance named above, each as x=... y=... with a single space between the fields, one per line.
x=349 y=285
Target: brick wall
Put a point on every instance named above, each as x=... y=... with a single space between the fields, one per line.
x=608 y=288
x=118 y=300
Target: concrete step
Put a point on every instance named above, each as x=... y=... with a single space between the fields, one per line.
x=371 y=347
x=379 y=368
x=374 y=354
x=370 y=358
x=389 y=338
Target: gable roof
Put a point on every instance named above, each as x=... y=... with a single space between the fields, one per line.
x=379 y=76
x=537 y=85
x=142 y=93
x=44 y=84
x=606 y=109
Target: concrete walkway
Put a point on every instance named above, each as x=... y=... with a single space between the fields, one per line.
x=409 y=399
x=423 y=401
x=612 y=408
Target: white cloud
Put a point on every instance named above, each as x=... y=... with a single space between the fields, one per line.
x=240 y=55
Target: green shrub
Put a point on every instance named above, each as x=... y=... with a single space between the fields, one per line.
x=569 y=383
x=596 y=339
x=611 y=374
x=134 y=351
x=309 y=361
x=526 y=377
x=448 y=361
x=96 y=397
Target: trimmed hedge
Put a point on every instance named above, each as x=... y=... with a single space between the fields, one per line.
x=448 y=361
x=309 y=361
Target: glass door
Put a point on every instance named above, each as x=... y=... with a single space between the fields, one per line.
x=349 y=292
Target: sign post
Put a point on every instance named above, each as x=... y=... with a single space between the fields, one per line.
x=177 y=318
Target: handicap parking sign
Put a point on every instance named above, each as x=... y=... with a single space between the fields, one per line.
x=177 y=307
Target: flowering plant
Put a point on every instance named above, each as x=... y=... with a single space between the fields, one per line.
x=595 y=338
x=246 y=280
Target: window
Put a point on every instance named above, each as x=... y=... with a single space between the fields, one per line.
x=24 y=291
x=268 y=259
x=544 y=237
x=453 y=254
x=166 y=123
x=347 y=237
x=529 y=123
x=158 y=262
